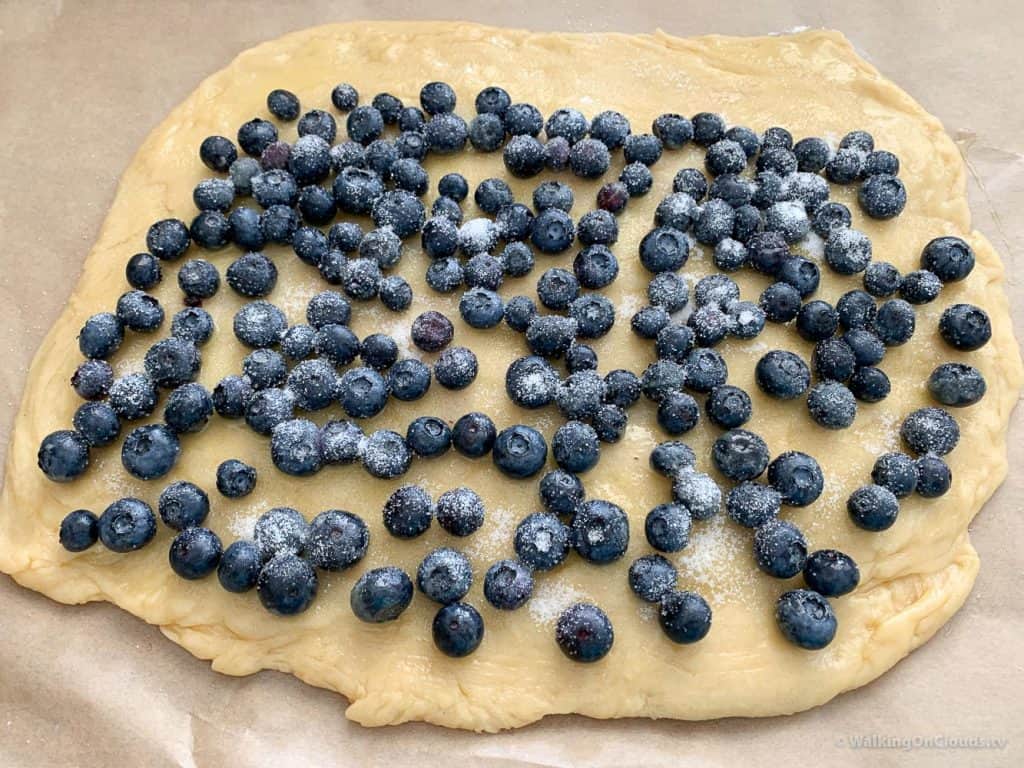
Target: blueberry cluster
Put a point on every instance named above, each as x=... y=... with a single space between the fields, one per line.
x=750 y=220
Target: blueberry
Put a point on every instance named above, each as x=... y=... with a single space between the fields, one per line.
x=552 y=194
x=677 y=212
x=920 y=287
x=895 y=472
x=812 y=154
x=275 y=187
x=950 y=258
x=956 y=384
x=456 y=368
x=651 y=577
x=667 y=527
x=428 y=436
x=268 y=408
x=188 y=408
x=664 y=249
x=870 y=384
x=382 y=246
x=725 y=156
x=550 y=335
x=481 y=308
x=340 y=442
x=275 y=156
x=281 y=530
x=782 y=374
x=671 y=457
x=524 y=156
x=400 y=210
x=357 y=189
x=235 y=478
x=610 y=128
x=674 y=130
x=857 y=309
x=360 y=278
x=768 y=251
x=520 y=451
x=580 y=357
x=97 y=423
x=780 y=302
x=239 y=567
x=492 y=99
x=457 y=629
x=486 y=132
x=286 y=585
x=530 y=382
x=831 y=573
x=217 y=153
x=408 y=512
x=409 y=379
x=780 y=549
x=833 y=359
x=797 y=477
x=930 y=430
x=101 y=336
x=92 y=379
x=752 y=504
x=364 y=124
x=192 y=324
x=259 y=324
x=133 y=396
x=245 y=228
x=730 y=255
x=168 y=239
x=508 y=584
x=806 y=190
x=541 y=541
x=313 y=383
x=213 y=195
x=746 y=223
x=337 y=343
x=965 y=327
x=847 y=251
x=195 y=553
x=685 y=617
x=933 y=476
x=439 y=237
x=579 y=395
x=474 y=435
x=707 y=128
x=704 y=370
x=561 y=492
x=845 y=166
x=523 y=119
x=873 y=507
x=460 y=511
x=568 y=123
x=597 y=227
x=379 y=351
x=255 y=135
x=649 y=322
x=386 y=455
x=514 y=223
x=584 y=633
x=575 y=447
x=621 y=388
x=126 y=525
x=395 y=293
x=831 y=217
x=637 y=179
x=600 y=531
x=735 y=191
x=432 y=331
x=337 y=540
x=866 y=346
x=484 y=271
x=143 y=271
x=446 y=133
x=778 y=159
x=241 y=173
x=832 y=405
x=149 y=452
x=295 y=447
x=678 y=413
x=717 y=289
x=362 y=392
x=806 y=619
x=668 y=290
x=817 y=320
x=728 y=407
x=882 y=279
x=444 y=575
x=746 y=138
x=137 y=310
x=79 y=530
x=556 y=153
x=264 y=368
x=553 y=231
x=883 y=196
x=589 y=158
x=746 y=319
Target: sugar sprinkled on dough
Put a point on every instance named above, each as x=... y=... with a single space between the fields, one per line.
x=715 y=545
x=494 y=539
x=551 y=596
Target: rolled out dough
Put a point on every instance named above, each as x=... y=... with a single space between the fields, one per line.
x=914 y=576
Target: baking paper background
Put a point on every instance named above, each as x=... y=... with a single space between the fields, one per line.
x=81 y=84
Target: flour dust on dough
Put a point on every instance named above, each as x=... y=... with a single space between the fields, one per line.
x=914 y=576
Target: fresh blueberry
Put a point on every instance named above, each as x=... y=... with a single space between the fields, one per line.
x=337 y=540
x=845 y=166
x=667 y=527
x=933 y=476
x=268 y=408
x=481 y=308
x=725 y=156
x=195 y=553
x=126 y=525
x=484 y=271
x=728 y=407
x=362 y=392
x=245 y=228
x=520 y=451
x=674 y=130
x=531 y=381
x=600 y=531
x=408 y=379
x=446 y=133
x=493 y=99
x=553 y=231
x=833 y=359
x=866 y=346
x=486 y=132
x=143 y=271
x=379 y=351
x=101 y=335
x=286 y=585
x=730 y=255
x=460 y=511
x=857 y=309
x=98 y=423
x=241 y=174
x=92 y=379
x=930 y=430
x=752 y=504
x=541 y=541
x=678 y=413
x=386 y=455
x=671 y=457
x=217 y=153
x=456 y=367
x=768 y=251
x=444 y=575
x=873 y=507
x=965 y=327
x=429 y=436
x=746 y=319
x=213 y=195
x=235 y=478
x=894 y=322
x=575 y=447
x=610 y=423
x=674 y=342
x=211 y=230
x=950 y=258
x=357 y=189
x=797 y=477
x=579 y=395
x=299 y=342
x=524 y=156
x=239 y=567
x=255 y=135
x=685 y=617
x=361 y=278
x=707 y=128
x=382 y=246
x=133 y=396
x=778 y=159
x=474 y=434
x=313 y=383
x=780 y=302
x=676 y=212
x=344 y=97
x=364 y=124
x=637 y=179
x=275 y=157
x=882 y=196
x=895 y=472
x=651 y=577
x=956 y=384
x=337 y=343
x=561 y=492
x=550 y=335
x=733 y=190
x=79 y=530
x=664 y=249
x=137 y=310
x=168 y=239
x=882 y=279
x=870 y=384
x=259 y=324
x=295 y=447
x=580 y=357
x=780 y=549
x=188 y=408
x=395 y=293
x=281 y=530
x=704 y=370
x=831 y=217
x=812 y=154
x=817 y=320
x=589 y=158
x=568 y=123
x=192 y=324
x=457 y=629
x=432 y=331
x=508 y=584
x=782 y=374
x=806 y=619
x=832 y=405
x=920 y=286
x=831 y=573
x=340 y=442
x=149 y=452
x=847 y=251
x=584 y=633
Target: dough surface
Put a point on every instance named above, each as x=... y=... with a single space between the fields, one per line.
x=913 y=576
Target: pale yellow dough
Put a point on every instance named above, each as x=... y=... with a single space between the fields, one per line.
x=914 y=576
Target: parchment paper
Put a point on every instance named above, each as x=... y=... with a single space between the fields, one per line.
x=81 y=84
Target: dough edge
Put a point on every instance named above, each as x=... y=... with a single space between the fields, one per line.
x=900 y=621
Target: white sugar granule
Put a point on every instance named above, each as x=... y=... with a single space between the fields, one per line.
x=243 y=523
x=718 y=558
x=627 y=307
x=551 y=596
x=494 y=539
x=813 y=246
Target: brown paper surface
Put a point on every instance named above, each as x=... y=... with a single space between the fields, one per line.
x=81 y=84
